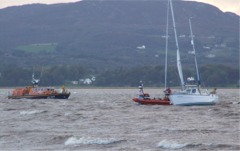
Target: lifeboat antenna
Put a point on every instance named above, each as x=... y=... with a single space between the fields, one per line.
x=41 y=72
x=35 y=81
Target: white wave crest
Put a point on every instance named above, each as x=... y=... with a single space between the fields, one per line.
x=168 y=144
x=89 y=141
x=31 y=112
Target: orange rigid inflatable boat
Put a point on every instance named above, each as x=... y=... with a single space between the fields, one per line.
x=35 y=92
x=145 y=99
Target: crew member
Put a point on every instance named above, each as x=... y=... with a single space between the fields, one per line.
x=214 y=91
x=63 y=89
x=168 y=91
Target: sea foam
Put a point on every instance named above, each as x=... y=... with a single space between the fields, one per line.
x=31 y=112
x=90 y=141
x=169 y=144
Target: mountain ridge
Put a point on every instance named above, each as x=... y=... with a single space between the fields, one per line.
x=96 y=33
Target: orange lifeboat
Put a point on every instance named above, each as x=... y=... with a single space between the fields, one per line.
x=35 y=92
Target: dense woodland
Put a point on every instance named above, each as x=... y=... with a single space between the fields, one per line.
x=153 y=76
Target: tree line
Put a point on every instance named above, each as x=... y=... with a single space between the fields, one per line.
x=152 y=76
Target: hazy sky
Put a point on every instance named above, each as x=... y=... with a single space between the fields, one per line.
x=224 y=5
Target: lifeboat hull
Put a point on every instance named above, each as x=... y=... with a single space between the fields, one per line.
x=28 y=97
x=41 y=96
x=60 y=96
x=152 y=101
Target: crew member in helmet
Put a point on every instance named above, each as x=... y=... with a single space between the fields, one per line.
x=168 y=91
x=141 y=93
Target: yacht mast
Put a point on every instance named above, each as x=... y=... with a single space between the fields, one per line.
x=166 y=51
x=194 y=52
x=179 y=65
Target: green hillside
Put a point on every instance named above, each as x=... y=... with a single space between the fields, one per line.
x=105 y=35
x=38 y=48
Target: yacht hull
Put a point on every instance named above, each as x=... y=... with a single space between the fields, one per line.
x=189 y=99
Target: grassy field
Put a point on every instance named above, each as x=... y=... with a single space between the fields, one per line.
x=36 y=48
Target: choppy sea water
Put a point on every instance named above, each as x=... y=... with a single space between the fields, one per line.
x=108 y=119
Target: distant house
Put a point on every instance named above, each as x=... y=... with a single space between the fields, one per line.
x=191 y=52
x=182 y=36
x=222 y=45
x=74 y=82
x=87 y=81
x=141 y=47
x=206 y=47
x=211 y=56
x=211 y=37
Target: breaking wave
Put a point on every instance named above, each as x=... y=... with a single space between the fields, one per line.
x=168 y=144
x=90 y=141
x=31 y=112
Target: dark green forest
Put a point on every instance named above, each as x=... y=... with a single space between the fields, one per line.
x=152 y=76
